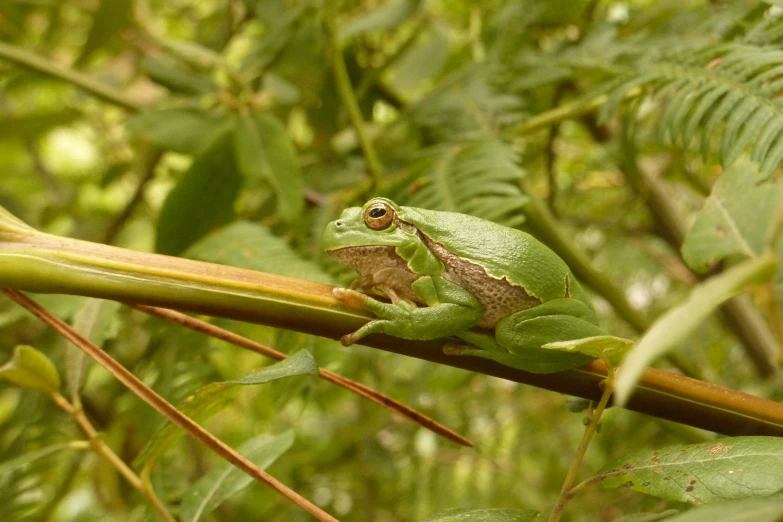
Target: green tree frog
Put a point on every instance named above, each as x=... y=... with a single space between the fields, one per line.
x=451 y=275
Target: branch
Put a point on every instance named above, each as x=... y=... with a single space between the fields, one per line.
x=569 y=111
x=37 y=262
x=163 y=407
x=358 y=388
x=92 y=86
x=103 y=449
x=149 y=162
x=345 y=89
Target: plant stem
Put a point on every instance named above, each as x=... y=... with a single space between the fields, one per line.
x=352 y=106
x=96 y=88
x=569 y=111
x=103 y=449
x=164 y=407
x=149 y=161
x=742 y=318
x=775 y=236
x=360 y=389
x=373 y=75
x=590 y=429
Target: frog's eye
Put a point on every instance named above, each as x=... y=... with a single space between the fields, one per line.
x=379 y=216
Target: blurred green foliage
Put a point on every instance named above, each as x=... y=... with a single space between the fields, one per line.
x=220 y=130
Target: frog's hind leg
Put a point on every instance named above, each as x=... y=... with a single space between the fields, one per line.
x=480 y=345
x=524 y=333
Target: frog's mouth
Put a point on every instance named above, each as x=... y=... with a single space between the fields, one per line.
x=347 y=233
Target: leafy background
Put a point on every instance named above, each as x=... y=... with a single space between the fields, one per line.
x=226 y=130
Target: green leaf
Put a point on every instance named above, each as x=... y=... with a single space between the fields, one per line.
x=200 y=406
x=300 y=363
x=170 y=75
x=33 y=125
x=202 y=200
x=423 y=61
x=188 y=131
x=14 y=464
x=97 y=321
x=31 y=369
x=748 y=510
x=484 y=515
x=735 y=219
x=725 y=469
x=247 y=245
x=676 y=325
x=264 y=151
x=577 y=404
x=221 y=483
x=720 y=89
x=215 y=397
x=108 y=22
x=385 y=17
x=647 y=517
x=608 y=346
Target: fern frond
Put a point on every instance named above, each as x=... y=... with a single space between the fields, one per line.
x=475 y=177
x=470 y=107
x=766 y=31
x=726 y=89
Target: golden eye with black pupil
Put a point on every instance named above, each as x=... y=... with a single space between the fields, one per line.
x=379 y=216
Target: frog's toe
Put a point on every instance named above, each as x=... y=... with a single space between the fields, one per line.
x=348 y=295
x=348 y=339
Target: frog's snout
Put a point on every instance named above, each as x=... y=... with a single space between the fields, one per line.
x=332 y=234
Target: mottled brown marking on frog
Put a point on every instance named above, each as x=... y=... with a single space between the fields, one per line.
x=499 y=297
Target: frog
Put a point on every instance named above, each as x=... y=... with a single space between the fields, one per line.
x=493 y=291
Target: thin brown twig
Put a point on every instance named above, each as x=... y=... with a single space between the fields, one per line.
x=165 y=408
x=368 y=393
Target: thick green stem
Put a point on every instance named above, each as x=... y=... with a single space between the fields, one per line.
x=96 y=88
x=33 y=261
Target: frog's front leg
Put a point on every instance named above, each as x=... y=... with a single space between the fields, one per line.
x=396 y=284
x=450 y=310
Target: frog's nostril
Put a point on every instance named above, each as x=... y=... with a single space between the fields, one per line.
x=338 y=223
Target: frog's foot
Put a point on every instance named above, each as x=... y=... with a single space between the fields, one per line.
x=392 y=318
x=461 y=349
x=349 y=339
x=350 y=296
x=382 y=326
